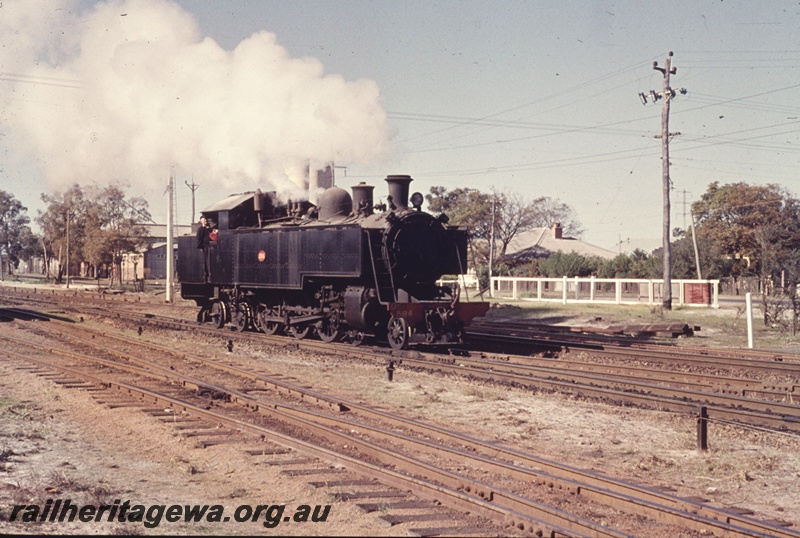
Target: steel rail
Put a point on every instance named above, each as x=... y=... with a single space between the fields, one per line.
x=652 y=396
x=748 y=411
x=771 y=362
x=598 y=487
x=503 y=506
x=543 y=331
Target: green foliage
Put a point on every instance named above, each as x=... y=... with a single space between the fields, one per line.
x=16 y=239
x=638 y=264
x=465 y=207
x=755 y=226
x=103 y=225
x=568 y=264
x=714 y=264
x=741 y=230
x=504 y=214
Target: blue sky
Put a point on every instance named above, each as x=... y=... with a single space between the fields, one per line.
x=538 y=98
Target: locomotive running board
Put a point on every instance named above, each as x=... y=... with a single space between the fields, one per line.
x=415 y=312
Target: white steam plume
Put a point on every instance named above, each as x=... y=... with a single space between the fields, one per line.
x=130 y=89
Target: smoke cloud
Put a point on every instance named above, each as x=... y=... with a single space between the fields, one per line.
x=130 y=90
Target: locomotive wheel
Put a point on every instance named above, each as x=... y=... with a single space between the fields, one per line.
x=329 y=328
x=398 y=333
x=241 y=317
x=299 y=331
x=219 y=314
x=269 y=327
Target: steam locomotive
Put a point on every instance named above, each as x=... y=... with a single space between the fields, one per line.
x=345 y=268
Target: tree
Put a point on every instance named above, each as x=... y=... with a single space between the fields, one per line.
x=546 y=213
x=469 y=208
x=16 y=239
x=465 y=207
x=638 y=264
x=569 y=264
x=751 y=224
x=119 y=223
x=104 y=226
x=512 y=215
x=714 y=264
x=70 y=204
x=758 y=227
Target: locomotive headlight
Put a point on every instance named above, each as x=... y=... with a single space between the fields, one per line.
x=416 y=200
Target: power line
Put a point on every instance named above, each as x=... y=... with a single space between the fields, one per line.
x=590 y=83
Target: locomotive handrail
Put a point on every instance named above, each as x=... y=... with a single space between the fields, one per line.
x=375 y=271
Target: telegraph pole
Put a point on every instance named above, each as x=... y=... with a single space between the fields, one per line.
x=193 y=186
x=67 y=248
x=491 y=248
x=667 y=94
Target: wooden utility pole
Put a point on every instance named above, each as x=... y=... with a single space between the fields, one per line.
x=666 y=297
x=491 y=248
x=67 y=248
x=667 y=94
x=193 y=186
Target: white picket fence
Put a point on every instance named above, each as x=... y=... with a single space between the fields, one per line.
x=605 y=290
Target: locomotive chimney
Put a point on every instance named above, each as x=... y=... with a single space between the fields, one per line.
x=362 y=198
x=398 y=190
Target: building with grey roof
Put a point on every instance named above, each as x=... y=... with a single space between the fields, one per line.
x=540 y=243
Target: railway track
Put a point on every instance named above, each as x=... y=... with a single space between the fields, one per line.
x=487 y=366
x=764 y=393
x=461 y=491
x=745 y=399
x=598 y=340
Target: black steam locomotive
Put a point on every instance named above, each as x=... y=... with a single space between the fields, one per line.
x=346 y=268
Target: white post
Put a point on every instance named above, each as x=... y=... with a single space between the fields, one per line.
x=564 y=292
x=170 y=254
x=749 y=304
x=514 y=288
x=715 y=294
x=591 y=289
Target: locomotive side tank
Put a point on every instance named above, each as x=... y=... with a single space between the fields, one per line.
x=346 y=269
